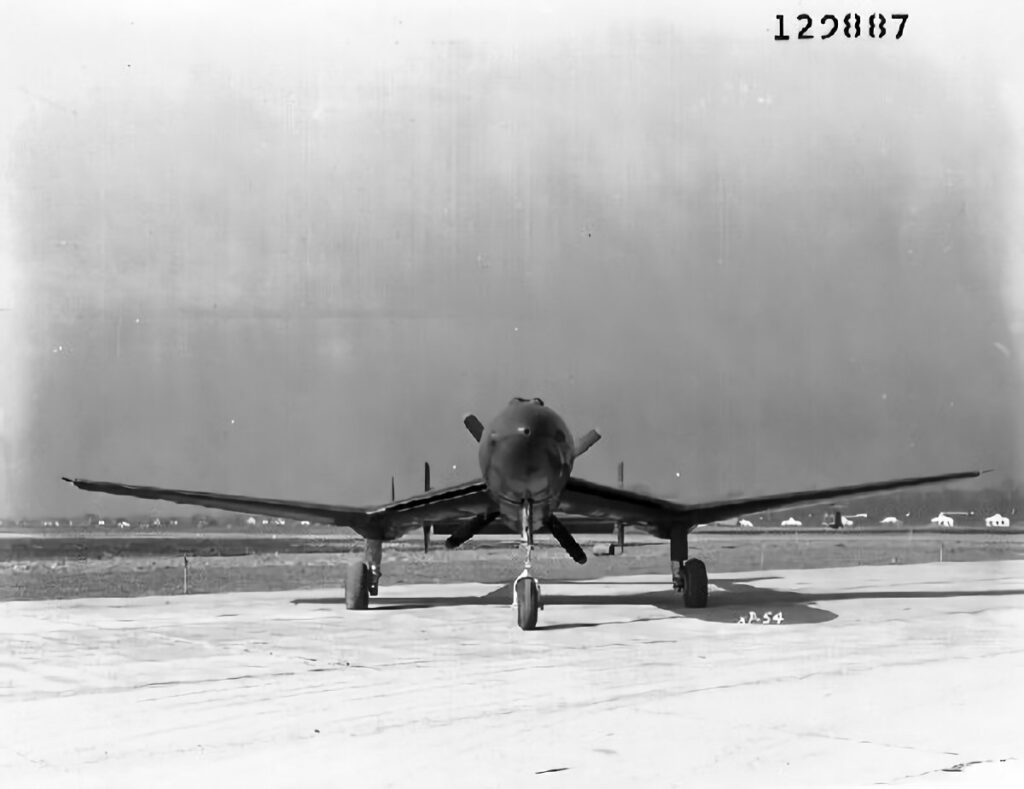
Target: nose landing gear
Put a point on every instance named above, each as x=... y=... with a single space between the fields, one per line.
x=526 y=590
x=527 y=597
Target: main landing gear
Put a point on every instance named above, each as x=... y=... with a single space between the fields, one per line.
x=526 y=590
x=357 y=586
x=363 y=577
x=689 y=576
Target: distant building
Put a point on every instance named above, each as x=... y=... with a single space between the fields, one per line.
x=891 y=521
x=791 y=522
x=744 y=523
x=942 y=519
x=998 y=521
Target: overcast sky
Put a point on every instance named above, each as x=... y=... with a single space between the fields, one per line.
x=280 y=251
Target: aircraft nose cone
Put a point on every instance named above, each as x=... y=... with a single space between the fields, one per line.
x=519 y=452
x=525 y=463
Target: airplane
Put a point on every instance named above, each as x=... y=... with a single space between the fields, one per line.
x=526 y=456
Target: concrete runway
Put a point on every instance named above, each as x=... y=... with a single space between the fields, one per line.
x=892 y=674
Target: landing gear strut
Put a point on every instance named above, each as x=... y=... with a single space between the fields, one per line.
x=526 y=590
x=689 y=576
x=374 y=553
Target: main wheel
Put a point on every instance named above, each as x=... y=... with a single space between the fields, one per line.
x=695 y=589
x=528 y=600
x=357 y=586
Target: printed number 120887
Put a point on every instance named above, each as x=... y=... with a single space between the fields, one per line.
x=851 y=26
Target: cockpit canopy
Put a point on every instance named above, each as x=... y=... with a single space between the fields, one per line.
x=536 y=400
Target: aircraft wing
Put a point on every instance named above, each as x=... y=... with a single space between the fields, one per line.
x=444 y=504
x=381 y=523
x=592 y=500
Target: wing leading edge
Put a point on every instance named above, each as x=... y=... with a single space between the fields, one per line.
x=580 y=498
x=590 y=499
x=381 y=523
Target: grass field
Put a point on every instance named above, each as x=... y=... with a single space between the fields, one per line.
x=67 y=566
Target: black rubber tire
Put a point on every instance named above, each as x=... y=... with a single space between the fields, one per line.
x=695 y=591
x=357 y=586
x=528 y=600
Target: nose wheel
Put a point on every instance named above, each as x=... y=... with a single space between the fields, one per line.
x=527 y=594
x=526 y=589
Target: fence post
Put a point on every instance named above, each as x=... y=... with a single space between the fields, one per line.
x=186 y=574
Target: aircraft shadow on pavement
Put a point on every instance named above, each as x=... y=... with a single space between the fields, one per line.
x=735 y=599
x=732 y=601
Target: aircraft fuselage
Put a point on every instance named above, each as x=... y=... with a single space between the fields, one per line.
x=526 y=454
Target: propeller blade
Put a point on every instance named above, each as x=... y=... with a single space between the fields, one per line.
x=466 y=531
x=474 y=426
x=566 y=540
x=585 y=442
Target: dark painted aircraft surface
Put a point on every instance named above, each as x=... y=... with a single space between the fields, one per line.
x=526 y=457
